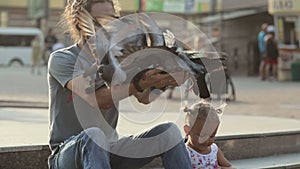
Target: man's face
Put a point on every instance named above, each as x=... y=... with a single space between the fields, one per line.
x=103 y=12
x=102 y=9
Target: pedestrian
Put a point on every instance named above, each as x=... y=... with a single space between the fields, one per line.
x=272 y=53
x=171 y=90
x=202 y=122
x=49 y=40
x=36 y=55
x=83 y=125
x=261 y=47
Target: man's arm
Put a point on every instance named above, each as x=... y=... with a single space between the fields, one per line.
x=104 y=96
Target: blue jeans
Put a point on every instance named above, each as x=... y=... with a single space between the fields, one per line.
x=81 y=151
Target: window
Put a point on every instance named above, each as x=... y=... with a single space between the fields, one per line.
x=288 y=30
x=16 y=40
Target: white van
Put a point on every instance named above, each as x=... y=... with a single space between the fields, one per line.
x=15 y=45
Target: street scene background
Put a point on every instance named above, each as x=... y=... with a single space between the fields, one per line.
x=265 y=107
x=260 y=106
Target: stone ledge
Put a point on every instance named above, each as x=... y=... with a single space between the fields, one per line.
x=27 y=157
x=23 y=148
x=235 y=147
x=259 y=145
x=285 y=161
x=23 y=104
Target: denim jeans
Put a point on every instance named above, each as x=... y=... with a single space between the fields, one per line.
x=83 y=151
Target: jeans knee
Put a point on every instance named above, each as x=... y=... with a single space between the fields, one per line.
x=94 y=132
x=96 y=136
x=168 y=133
x=169 y=127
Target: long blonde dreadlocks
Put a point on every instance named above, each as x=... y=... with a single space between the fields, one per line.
x=80 y=25
x=77 y=17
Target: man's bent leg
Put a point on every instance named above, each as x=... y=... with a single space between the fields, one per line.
x=177 y=158
x=83 y=152
x=163 y=140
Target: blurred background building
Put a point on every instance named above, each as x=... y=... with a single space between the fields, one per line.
x=30 y=13
x=232 y=25
x=286 y=15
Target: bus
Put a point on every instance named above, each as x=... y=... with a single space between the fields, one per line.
x=15 y=45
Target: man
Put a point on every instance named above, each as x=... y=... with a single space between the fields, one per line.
x=261 y=47
x=82 y=124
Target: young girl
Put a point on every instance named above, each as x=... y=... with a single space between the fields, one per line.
x=202 y=122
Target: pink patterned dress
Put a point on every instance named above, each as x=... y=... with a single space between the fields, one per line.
x=204 y=161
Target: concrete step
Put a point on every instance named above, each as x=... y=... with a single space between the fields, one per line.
x=279 y=150
x=35 y=157
x=284 y=161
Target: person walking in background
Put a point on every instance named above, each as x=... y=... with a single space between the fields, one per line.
x=50 y=40
x=261 y=47
x=36 y=55
x=272 y=53
x=171 y=90
x=202 y=122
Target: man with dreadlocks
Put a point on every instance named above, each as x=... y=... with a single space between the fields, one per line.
x=82 y=124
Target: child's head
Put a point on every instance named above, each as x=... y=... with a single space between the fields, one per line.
x=201 y=126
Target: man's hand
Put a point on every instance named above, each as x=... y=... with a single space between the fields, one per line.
x=160 y=79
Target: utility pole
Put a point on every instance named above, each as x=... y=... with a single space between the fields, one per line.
x=38 y=10
x=140 y=6
x=212 y=11
x=47 y=9
x=213 y=7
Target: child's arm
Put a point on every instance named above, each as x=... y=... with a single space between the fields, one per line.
x=223 y=162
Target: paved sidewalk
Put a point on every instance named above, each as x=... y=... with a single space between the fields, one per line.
x=261 y=106
x=30 y=126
